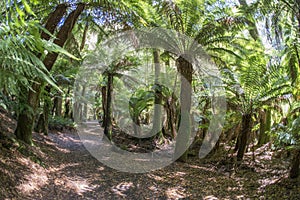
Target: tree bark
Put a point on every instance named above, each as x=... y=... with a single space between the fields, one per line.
x=85 y=112
x=295 y=170
x=108 y=117
x=84 y=35
x=183 y=137
x=40 y=123
x=104 y=102
x=53 y=20
x=157 y=121
x=244 y=134
x=57 y=107
x=46 y=109
x=265 y=127
x=137 y=125
x=81 y=108
x=170 y=107
x=27 y=115
x=68 y=105
x=43 y=121
x=63 y=35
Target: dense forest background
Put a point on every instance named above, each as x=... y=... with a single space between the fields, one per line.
x=45 y=96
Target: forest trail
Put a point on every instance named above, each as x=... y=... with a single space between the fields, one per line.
x=224 y=72
x=68 y=171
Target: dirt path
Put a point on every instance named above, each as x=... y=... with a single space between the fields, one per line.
x=71 y=172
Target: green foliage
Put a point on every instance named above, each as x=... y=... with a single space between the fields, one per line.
x=22 y=50
x=143 y=98
x=282 y=28
x=288 y=135
x=251 y=84
x=60 y=123
x=20 y=65
x=281 y=135
x=139 y=101
x=7 y=103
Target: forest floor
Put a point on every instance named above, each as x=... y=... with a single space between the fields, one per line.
x=60 y=167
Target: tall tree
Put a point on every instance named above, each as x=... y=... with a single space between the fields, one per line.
x=26 y=117
x=157 y=123
x=249 y=88
x=282 y=19
x=211 y=33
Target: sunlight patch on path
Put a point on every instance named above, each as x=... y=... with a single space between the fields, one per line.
x=77 y=184
x=33 y=181
x=176 y=192
x=122 y=188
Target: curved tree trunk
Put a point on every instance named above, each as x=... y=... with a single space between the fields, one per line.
x=27 y=116
x=183 y=137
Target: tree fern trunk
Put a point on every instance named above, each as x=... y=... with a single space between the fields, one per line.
x=104 y=100
x=68 y=104
x=58 y=102
x=171 y=115
x=84 y=35
x=108 y=117
x=265 y=127
x=244 y=134
x=26 y=117
x=157 y=121
x=23 y=131
x=42 y=124
x=82 y=104
x=295 y=170
x=183 y=137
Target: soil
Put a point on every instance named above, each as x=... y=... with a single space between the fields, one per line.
x=60 y=167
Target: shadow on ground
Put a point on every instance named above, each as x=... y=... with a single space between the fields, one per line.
x=61 y=168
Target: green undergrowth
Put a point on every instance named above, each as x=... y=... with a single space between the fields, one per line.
x=60 y=123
